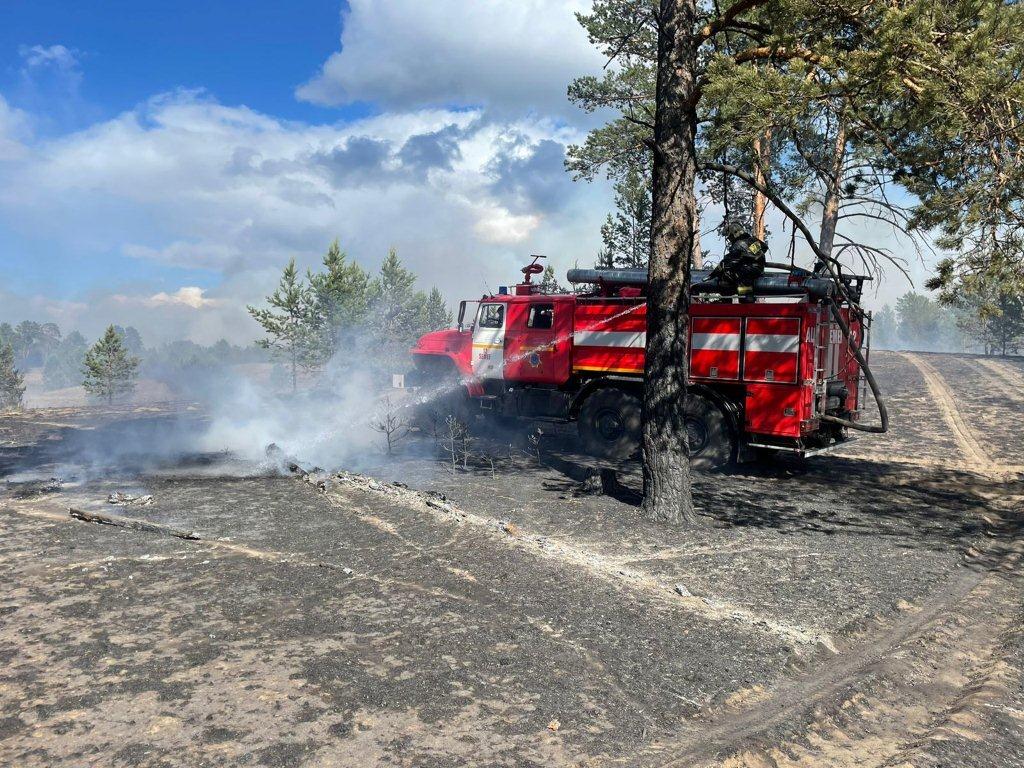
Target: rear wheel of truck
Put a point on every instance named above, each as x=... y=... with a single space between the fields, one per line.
x=712 y=443
x=609 y=423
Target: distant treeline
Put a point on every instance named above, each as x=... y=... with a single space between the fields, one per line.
x=62 y=357
x=922 y=323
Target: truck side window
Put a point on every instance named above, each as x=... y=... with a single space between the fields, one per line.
x=542 y=316
x=491 y=315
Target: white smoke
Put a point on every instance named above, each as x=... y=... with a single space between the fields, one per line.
x=328 y=424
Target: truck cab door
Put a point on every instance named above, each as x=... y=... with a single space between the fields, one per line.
x=538 y=340
x=488 y=358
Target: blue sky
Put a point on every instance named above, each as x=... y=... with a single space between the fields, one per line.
x=131 y=49
x=125 y=52
x=161 y=161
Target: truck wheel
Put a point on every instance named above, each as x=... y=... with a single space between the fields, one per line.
x=712 y=444
x=609 y=423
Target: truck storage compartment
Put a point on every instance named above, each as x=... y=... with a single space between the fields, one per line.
x=771 y=349
x=773 y=409
x=715 y=347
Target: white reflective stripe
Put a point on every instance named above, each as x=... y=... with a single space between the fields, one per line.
x=773 y=342
x=716 y=341
x=625 y=339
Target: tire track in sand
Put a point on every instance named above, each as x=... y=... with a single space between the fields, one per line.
x=1011 y=381
x=974 y=453
x=876 y=702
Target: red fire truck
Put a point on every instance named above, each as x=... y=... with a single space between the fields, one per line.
x=782 y=370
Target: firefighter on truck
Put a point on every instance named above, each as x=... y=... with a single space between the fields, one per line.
x=777 y=359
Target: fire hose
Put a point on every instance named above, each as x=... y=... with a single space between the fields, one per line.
x=858 y=354
x=855 y=348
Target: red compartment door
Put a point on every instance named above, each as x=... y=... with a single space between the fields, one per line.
x=715 y=347
x=772 y=349
x=773 y=410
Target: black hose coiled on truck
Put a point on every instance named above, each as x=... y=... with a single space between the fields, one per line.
x=844 y=327
x=883 y=412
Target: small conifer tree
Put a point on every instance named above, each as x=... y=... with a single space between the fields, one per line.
x=12 y=383
x=109 y=369
x=549 y=281
x=290 y=324
x=437 y=316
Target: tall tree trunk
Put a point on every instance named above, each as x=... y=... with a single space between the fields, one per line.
x=666 y=461
x=762 y=147
x=833 y=192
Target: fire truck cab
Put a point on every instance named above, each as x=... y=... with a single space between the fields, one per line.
x=762 y=372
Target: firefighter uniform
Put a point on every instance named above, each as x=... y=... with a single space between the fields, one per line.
x=743 y=262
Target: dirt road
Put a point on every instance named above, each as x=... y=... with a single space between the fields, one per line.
x=859 y=609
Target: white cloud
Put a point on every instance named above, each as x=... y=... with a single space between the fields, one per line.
x=53 y=69
x=57 y=56
x=497 y=225
x=507 y=54
x=187 y=182
x=15 y=130
x=462 y=172
x=190 y=296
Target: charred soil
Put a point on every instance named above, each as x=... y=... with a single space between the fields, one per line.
x=862 y=608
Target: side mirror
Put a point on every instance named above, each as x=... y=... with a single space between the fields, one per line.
x=462 y=314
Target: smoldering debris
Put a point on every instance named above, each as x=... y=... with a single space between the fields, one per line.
x=349 y=420
x=23 y=489
x=286 y=463
x=122 y=499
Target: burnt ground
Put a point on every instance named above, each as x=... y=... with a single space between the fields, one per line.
x=862 y=608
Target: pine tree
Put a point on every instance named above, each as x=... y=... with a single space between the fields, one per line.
x=990 y=312
x=341 y=301
x=436 y=316
x=7 y=334
x=549 y=281
x=12 y=383
x=292 y=330
x=627 y=235
x=830 y=120
x=926 y=324
x=397 y=307
x=800 y=100
x=884 y=328
x=63 y=368
x=1006 y=323
x=109 y=369
x=132 y=340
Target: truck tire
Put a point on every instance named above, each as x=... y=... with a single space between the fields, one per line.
x=712 y=443
x=609 y=423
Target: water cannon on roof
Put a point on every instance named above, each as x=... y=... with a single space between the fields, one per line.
x=528 y=287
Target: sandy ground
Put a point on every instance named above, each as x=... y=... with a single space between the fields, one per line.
x=854 y=609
